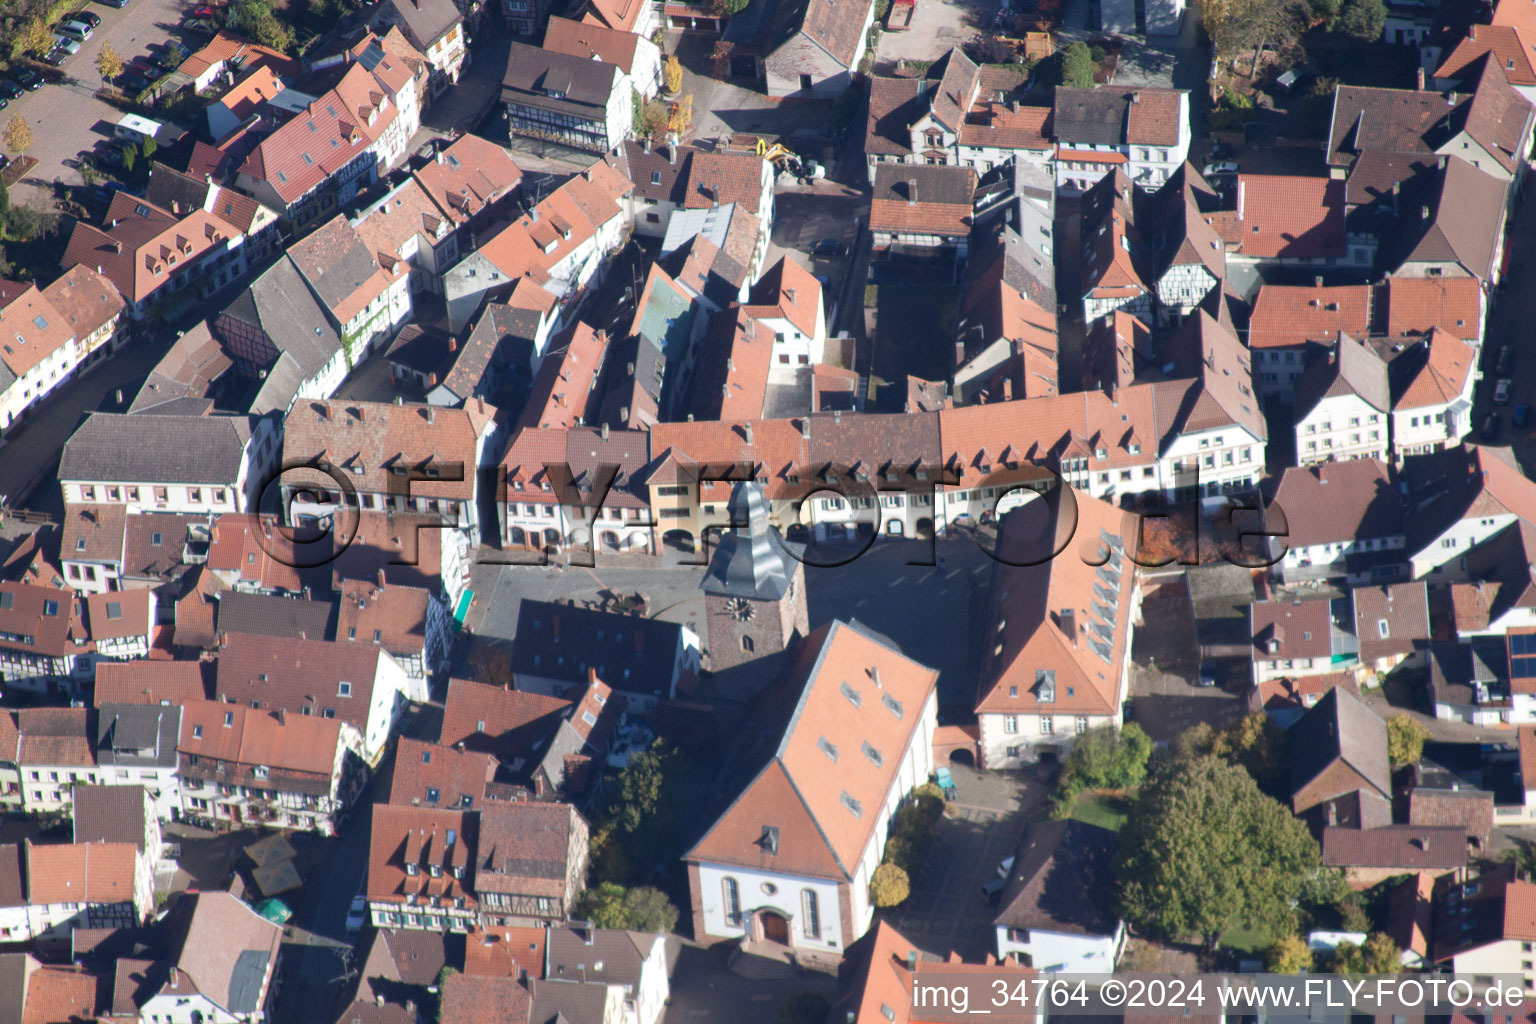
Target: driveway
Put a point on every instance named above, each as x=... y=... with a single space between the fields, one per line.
x=66 y=117
x=946 y=910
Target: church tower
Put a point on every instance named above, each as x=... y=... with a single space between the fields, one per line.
x=754 y=591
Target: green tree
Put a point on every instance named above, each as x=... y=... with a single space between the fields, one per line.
x=1363 y=19
x=644 y=813
x=5 y=197
x=108 y=63
x=647 y=909
x=32 y=37
x=1077 y=66
x=603 y=905
x=255 y=20
x=729 y=8
x=1257 y=744
x=1405 y=740
x=1324 y=11
x=18 y=134
x=804 y=1008
x=1380 y=955
x=888 y=886
x=1203 y=848
x=1289 y=955
x=1106 y=757
x=1346 y=959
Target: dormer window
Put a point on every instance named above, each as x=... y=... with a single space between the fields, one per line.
x=411 y=870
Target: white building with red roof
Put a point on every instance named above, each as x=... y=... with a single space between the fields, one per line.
x=789 y=862
x=1144 y=133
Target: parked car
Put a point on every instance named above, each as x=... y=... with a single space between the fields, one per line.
x=27 y=78
x=992 y=892
x=1501 y=391
x=200 y=25
x=65 y=44
x=357 y=914
x=54 y=57
x=1506 y=362
x=119 y=4
x=131 y=82
x=10 y=90
x=79 y=31
x=204 y=11
x=1209 y=675
x=1490 y=429
x=91 y=18
x=1222 y=151
x=147 y=68
x=1219 y=168
x=1521 y=416
x=828 y=247
x=1294 y=79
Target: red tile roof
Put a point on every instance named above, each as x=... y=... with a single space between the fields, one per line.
x=303 y=677
x=564 y=392
x=1442 y=377
x=478 y=999
x=1510 y=40
x=55 y=736
x=590 y=41
x=507 y=716
x=825 y=788
x=143 y=682
x=371 y=440
x=561 y=222
x=1282 y=216
x=31 y=330
x=326 y=137
x=451 y=774
x=118 y=614
x=406 y=842
x=1289 y=315
x=291 y=743
x=141 y=245
x=223 y=48
x=1417 y=304
x=1062 y=615
x=80 y=872
x=87 y=299
x=505 y=952
x=469 y=176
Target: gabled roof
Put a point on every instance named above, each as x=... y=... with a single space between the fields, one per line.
x=80 y=872
x=814 y=807
x=1286 y=316
x=839 y=30
x=1066 y=620
x=1352 y=368
x=1459 y=222
x=41 y=620
x=1338 y=502
x=558 y=81
x=1118 y=117
x=424 y=21
x=567 y=644
x=303 y=677
x=298 y=750
x=469 y=176
x=228 y=951
x=431 y=775
x=1060 y=880
x=417 y=852
x=592 y=42
x=922 y=199
x=563 y=393
x=87 y=300
x=496 y=720
x=139 y=245
x=144 y=682
x=31 y=330
x=1415 y=305
x=1282 y=216
x=1111 y=241
x=1510 y=40
x=1339 y=727
x=1434 y=372
x=1391 y=620
x=525 y=848
x=163 y=449
x=373 y=442
x=341 y=269
x=1466 y=482
x=324 y=138
x=1300 y=628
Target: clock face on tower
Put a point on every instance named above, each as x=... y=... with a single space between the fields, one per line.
x=740 y=609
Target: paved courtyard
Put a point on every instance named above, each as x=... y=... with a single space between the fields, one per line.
x=937 y=25
x=705 y=992
x=946 y=910
x=66 y=116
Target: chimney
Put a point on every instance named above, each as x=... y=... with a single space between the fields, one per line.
x=911 y=191
x=1007 y=389
x=1424 y=213
x=911 y=960
x=646 y=144
x=592 y=676
x=1421 y=78
x=1068 y=618
x=453 y=345
x=605 y=431
x=381 y=579
x=431 y=414
x=1135 y=97
x=282 y=716
x=624 y=413
x=1318 y=281
x=748 y=431
x=672 y=154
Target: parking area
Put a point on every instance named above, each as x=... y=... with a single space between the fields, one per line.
x=66 y=117
x=946 y=910
x=937 y=25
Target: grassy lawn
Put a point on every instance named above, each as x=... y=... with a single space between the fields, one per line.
x=1102 y=809
x=1240 y=938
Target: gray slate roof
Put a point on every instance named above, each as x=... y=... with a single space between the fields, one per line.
x=633 y=655
x=138 y=735
x=157 y=449
x=1060 y=879
x=752 y=561
x=269 y=615
x=281 y=307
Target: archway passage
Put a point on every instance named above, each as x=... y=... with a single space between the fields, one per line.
x=775 y=927
x=962 y=756
x=682 y=540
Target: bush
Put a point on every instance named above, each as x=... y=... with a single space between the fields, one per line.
x=889 y=886
x=641 y=909
x=871 y=296
x=1289 y=955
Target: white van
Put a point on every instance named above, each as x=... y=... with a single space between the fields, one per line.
x=79 y=31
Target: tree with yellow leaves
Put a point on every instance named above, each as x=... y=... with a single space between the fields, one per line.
x=18 y=134
x=109 y=63
x=672 y=75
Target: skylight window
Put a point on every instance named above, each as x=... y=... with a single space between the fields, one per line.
x=50 y=608
x=42 y=322
x=114 y=609
x=853 y=805
x=851 y=694
x=826 y=747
